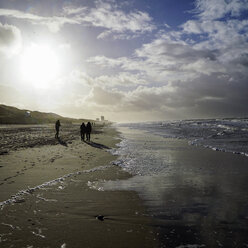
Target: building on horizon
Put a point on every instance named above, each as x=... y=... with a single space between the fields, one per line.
x=102 y=118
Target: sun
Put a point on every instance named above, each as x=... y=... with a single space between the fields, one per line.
x=39 y=65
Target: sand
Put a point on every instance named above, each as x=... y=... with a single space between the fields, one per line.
x=47 y=195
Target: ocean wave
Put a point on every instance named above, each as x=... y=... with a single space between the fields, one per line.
x=227 y=135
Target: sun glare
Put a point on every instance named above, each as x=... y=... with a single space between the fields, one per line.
x=39 y=65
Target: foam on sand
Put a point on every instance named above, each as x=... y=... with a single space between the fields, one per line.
x=18 y=197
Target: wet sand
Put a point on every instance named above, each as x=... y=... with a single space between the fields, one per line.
x=47 y=199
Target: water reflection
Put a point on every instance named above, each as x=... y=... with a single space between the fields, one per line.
x=195 y=195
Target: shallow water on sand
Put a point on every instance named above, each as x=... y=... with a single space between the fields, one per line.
x=196 y=196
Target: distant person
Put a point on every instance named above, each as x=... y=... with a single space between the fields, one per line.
x=57 y=126
x=88 y=131
x=83 y=131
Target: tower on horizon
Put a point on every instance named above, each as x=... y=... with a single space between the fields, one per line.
x=102 y=118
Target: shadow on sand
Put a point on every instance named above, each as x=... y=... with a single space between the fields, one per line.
x=96 y=145
x=61 y=142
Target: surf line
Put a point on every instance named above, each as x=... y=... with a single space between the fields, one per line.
x=16 y=198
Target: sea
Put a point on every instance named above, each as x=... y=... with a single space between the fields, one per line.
x=192 y=176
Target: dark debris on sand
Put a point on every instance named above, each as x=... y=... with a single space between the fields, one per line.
x=14 y=138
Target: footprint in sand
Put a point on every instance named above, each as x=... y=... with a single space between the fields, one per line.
x=7 y=178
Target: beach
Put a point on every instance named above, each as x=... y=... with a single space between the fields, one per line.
x=46 y=195
x=163 y=87
x=128 y=187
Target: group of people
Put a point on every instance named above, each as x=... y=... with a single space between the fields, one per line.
x=85 y=130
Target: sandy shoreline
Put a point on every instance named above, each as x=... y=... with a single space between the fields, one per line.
x=199 y=200
x=63 y=213
x=28 y=166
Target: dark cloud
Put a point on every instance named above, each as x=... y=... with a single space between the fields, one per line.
x=212 y=95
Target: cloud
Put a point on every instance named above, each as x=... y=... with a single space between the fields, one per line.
x=200 y=70
x=114 y=21
x=10 y=39
x=226 y=38
x=217 y=34
x=54 y=23
x=123 y=80
x=209 y=95
x=105 y=15
x=216 y=9
x=165 y=61
x=203 y=46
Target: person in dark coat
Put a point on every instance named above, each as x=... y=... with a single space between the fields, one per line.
x=88 y=131
x=57 y=126
x=82 y=131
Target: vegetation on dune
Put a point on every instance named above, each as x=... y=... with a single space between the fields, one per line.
x=12 y=115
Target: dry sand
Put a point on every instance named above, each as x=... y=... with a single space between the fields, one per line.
x=46 y=195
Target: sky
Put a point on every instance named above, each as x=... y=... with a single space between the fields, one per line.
x=134 y=60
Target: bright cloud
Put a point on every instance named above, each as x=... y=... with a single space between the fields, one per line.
x=105 y=15
x=113 y=20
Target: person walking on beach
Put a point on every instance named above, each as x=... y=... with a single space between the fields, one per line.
x=88 y=131
x=57 y=126
x=82 y=131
